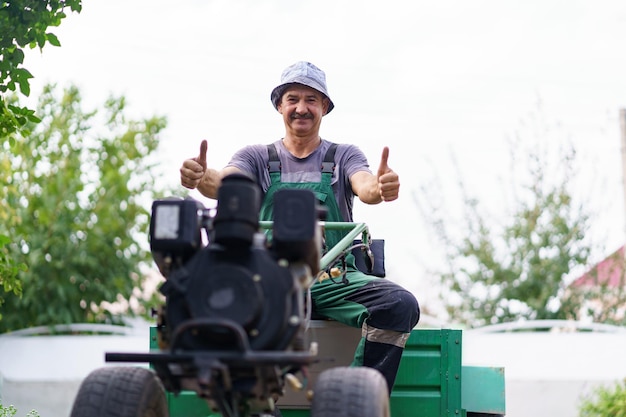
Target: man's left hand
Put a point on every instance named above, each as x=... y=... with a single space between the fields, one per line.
x=388 y=181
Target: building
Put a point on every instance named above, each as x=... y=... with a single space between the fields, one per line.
x=602 y=290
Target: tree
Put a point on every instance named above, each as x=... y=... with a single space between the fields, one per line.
x=79 y=194
x=23 y=23
x=9 y=268
x=520 y=269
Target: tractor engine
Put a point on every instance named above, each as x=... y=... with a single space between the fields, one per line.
x=227 y=288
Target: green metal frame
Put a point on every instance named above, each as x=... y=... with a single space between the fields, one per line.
x=355 y=229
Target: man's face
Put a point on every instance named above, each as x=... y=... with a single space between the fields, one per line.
x=302 y=109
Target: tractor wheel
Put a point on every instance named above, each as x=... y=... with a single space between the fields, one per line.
x=125 y=391
x=350 y=392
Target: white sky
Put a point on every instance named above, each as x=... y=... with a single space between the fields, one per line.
x=424 y=78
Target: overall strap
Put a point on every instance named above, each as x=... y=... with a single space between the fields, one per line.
x=273 y=165
x=328 y=165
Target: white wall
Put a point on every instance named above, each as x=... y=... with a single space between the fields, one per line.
x=545 y=373
x=548 y=373
x=43 y=373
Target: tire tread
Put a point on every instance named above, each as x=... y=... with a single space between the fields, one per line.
x=120 y=392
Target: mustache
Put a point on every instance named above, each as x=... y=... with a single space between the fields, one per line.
x=307 y=115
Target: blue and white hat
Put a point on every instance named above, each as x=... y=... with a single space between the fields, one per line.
x=304 y=73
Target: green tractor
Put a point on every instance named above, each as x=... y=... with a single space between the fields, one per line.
x=237 y=336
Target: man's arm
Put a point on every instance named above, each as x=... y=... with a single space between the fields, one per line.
x=212 y=179
x=373 y=189
x=195 y=174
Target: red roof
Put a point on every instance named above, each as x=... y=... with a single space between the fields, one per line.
x=608 y=272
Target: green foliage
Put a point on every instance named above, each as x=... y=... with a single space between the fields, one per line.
x=9 y=271
x=78 y=187
x=9 y=268
x=24 y=24
x=7 y=411
x=10 y=411
x=517 y=270
x=605 y=401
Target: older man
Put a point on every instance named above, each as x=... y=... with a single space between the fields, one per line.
x=337 y=173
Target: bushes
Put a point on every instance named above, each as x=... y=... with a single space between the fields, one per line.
x=10 y=412
x=606 y=401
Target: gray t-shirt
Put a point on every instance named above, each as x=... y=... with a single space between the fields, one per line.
x=253 y=159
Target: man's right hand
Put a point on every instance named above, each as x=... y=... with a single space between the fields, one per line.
x=193 y=169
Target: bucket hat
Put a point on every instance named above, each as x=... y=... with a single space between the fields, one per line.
x=304 y=73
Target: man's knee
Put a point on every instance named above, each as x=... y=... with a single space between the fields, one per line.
x=407 y=306
x=398 y=310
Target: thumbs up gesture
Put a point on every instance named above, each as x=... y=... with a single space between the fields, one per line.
x=201 y=159
x=388 y=181
x=193 y=169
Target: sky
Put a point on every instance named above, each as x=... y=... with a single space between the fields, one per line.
x=446 y=85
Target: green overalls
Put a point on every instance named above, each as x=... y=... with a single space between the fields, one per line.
x=385 y=312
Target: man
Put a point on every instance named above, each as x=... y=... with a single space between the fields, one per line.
x=384 y=311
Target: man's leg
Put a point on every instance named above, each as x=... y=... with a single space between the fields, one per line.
x=385 y=312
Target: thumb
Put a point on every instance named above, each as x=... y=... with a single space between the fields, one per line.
x=383 y=167
x=201 y=159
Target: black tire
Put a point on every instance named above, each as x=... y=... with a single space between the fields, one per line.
x=126 y=391
x=350 y=392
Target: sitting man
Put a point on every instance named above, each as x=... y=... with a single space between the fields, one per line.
x=336 y=173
